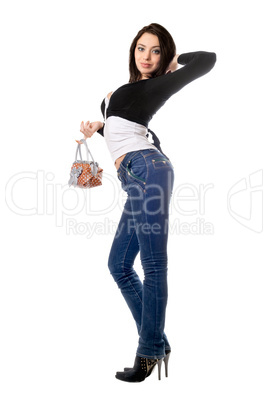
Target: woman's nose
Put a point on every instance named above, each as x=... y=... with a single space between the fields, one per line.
x=146 y=56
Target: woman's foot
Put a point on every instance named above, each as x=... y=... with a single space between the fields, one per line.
x=143 y=367
x=166 y=359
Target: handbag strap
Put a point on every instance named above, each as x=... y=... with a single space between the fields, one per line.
x=78 y=149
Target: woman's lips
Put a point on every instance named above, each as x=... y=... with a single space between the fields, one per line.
x=144 y=65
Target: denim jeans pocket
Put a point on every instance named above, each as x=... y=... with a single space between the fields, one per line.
x=137 y=170
x=134 y=176
x=161 y=162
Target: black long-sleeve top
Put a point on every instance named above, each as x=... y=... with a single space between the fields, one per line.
x=139 y=101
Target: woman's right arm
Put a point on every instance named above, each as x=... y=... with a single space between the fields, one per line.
x=88 y=129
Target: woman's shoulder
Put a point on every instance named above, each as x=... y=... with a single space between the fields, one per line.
x=109 y=95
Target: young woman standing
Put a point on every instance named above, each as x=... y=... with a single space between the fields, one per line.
x=147 y=175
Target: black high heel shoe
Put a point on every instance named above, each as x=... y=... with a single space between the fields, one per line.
x=143 y=367
x=166 y=359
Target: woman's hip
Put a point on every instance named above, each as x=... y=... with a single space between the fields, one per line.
x=145 y=168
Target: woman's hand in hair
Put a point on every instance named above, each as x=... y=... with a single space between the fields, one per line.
x=173 y=65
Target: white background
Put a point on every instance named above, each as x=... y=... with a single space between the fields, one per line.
x=65 y=328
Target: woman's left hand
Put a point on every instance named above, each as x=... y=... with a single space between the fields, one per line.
x=173 y=65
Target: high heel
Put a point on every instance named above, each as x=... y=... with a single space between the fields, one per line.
x=143 y=367
x=166 y=359
x=159 y=363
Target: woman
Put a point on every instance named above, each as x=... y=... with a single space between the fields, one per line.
x=147 y=176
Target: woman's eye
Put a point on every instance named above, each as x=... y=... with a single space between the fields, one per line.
x=141 y=49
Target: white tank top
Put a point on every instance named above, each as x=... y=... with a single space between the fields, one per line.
x=123 y=136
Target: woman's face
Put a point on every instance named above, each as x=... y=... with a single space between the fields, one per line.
x=147 y=54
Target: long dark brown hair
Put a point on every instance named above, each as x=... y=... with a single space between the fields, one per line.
x=167 y=51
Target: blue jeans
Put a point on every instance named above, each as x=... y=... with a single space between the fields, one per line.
x=147 y=176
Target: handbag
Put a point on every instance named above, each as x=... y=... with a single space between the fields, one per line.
x=85 y=173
